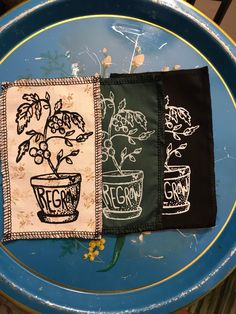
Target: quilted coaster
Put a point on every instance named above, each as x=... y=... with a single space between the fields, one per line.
x=132 y=154
x=189 y=177
x=51 y=158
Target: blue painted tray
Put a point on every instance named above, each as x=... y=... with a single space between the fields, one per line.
x=158 y=272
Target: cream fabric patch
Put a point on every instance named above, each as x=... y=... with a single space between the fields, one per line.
x=51 y=158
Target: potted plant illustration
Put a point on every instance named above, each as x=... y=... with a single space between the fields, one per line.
x=122 y=189
x=176 y=177
x=57 y=193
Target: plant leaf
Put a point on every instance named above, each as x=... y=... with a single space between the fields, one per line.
x=184 y=115
x=38 y=136
x=177 y=127
x=66 y=120
x=137 y=151
x=23 y=116
x=131 y=141
x=132 y=158
x=173 y=114
x=60 y=154
x=124 y=153
x=58 y=105
x=69 y=133
x=112 y=95
x=145 y=135
x=183 y=146
x=133 y=131
x=176 y=136
x=122 y=104
x=75 y=152
x=31 y=132
x=77 y=119
x=68 y=142
x=130 y=118
x=69 y=161
x=29 y=97
x=83 y=137
x=140 y=118
x=169 y=148
x=38 y=110
x=47 y=96
x=190 y=131
x=178 y=154
x=22 y=149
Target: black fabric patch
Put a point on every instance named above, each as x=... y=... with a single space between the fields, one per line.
x=189 y=199
x=133 y=154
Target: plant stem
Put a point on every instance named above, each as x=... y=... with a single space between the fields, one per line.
x=47 y=121
x=117 y=165
x=123 y=135
x=52 y=167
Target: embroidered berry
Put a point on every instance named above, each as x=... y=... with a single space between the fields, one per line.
x=123 y=121
x=96 y=253
x=90 y=249
x=33 y=152
x=125 y=129
x=53 y=130
x=38 y=159
x=59 y=122
x=104 y=156
x=62 y=130
x=43 y=145
x=51 y=124
x=55 y=119
x=102 y=241
x=47 y=154
x=56 y=126
x=85 y=256
x=111 y=152
x=108 y=143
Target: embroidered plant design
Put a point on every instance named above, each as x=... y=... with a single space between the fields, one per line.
x=60 y=123
x=177 y=177
x=127 y=128
x=123 y=123
x=57 y=193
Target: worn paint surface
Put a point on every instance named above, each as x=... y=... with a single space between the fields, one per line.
x=148 y=265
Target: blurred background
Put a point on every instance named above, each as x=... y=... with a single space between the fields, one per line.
x=222 y=299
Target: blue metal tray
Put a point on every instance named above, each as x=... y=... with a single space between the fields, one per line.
x=154 y=273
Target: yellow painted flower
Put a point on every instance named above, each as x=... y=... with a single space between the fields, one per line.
x=93 y=250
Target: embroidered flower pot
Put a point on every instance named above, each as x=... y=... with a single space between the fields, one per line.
x=57 y=197
x=176 y=190
x=122 y=194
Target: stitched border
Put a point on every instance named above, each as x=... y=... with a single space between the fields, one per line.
x=4 y=165
x=139 y=78
x=7 y=216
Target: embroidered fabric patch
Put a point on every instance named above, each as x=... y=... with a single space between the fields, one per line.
x=132 y=154
x=51 y=158
x=189 y=179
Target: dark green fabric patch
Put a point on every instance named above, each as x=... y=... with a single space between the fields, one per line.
x=132 y=153
x=189 y=179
